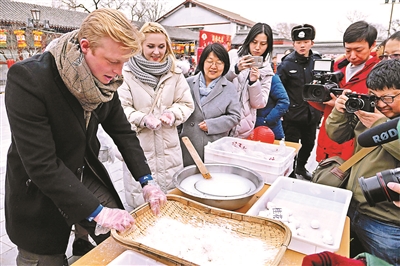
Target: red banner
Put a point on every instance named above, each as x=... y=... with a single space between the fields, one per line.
x=207 y=38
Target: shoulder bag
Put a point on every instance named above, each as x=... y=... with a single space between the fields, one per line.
x=335 y=171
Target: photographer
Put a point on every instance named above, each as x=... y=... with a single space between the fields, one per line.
x=377 y=228
x=358 y=40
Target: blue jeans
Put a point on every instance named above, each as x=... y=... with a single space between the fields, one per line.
x=378 y=238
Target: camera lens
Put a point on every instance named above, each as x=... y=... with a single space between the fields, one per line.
x=353 y=105
x=375 y=188
x=317 y=92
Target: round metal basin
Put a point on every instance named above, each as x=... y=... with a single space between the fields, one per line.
x=222 y=202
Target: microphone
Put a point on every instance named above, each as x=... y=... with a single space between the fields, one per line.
x=381 y=134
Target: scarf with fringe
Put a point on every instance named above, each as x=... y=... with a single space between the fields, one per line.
x=78 y=78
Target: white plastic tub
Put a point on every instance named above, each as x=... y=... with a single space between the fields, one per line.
x=308 y=201
x=269 y=160
x=130 y=257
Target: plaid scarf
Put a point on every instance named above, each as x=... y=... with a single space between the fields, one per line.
x=77 y=76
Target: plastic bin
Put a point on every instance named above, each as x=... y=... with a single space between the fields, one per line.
x=307 y=202
x=269 y=160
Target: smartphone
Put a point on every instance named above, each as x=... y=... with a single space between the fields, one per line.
x=257 y=61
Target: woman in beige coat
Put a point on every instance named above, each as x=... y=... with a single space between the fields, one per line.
x=156 y=99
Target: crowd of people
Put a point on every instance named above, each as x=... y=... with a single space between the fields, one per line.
x=130 y=83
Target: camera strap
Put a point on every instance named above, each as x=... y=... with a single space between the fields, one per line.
x=355 y=158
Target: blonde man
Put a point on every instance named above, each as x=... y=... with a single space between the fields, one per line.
x=55 y=102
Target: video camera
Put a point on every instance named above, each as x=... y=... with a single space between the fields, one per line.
x=324 y=82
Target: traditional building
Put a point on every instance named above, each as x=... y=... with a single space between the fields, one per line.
x=197 y=16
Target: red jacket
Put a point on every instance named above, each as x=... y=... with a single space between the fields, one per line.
x=326 y=147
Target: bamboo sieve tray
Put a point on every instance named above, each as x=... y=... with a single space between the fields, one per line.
x=271 y=232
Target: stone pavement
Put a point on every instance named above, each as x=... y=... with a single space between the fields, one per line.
x=8 y=250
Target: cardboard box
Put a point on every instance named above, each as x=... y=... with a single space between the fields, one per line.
x=306 y=202
x=269 y=160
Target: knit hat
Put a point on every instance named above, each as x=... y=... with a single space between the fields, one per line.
x=303 y=32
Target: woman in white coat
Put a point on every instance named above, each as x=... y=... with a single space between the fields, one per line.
x=252 y=82
x=156 y=99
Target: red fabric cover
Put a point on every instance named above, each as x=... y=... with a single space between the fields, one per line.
x=328 y=258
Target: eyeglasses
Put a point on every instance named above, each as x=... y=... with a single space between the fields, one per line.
x=217 y=63
x=386 y=99
x=391 y=56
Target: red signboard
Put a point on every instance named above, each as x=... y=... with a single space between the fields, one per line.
x=207 y=38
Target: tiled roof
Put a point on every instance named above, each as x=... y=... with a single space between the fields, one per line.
x=222 y=12
x=175 y=33
x=18 y=12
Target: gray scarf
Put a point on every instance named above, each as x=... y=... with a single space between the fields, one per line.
x=147 y=71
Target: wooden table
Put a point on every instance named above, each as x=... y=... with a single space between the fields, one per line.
x=110 y=249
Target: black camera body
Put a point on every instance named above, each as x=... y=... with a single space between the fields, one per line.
x=364 y=102
x=324 y=82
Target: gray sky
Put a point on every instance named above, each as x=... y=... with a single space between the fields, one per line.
x=329 y=17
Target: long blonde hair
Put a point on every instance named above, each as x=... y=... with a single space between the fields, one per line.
x=108 y=22
x=154 y=27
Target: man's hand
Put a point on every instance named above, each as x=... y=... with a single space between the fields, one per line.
x=153 y=195
x=332 y=101
x=368 y=118
x=341 y=101
x=396 y=188
x=117 y=219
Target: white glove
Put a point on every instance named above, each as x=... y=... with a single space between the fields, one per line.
x=153 y=194
x=168 y=118
x=151 y=122
x=108 y=219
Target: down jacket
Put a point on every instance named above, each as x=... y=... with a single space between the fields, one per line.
x=161 y=147
x=277 y=106
x=326 y=147
x=251 y=97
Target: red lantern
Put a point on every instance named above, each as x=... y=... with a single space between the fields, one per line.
x=263 y=134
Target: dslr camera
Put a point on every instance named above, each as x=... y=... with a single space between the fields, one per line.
x=364 y=102
x=375 y=188
x=324 y=82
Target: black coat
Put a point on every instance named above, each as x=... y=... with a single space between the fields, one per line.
x=294 y=74
x=43 y=193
